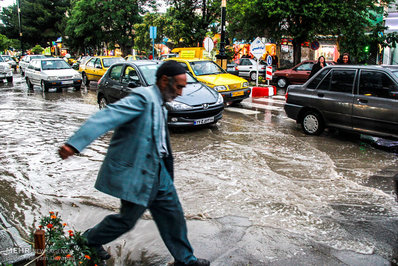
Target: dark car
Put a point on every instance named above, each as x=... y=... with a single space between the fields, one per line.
x=295 y=75
x=199 y=104
x=357 y=98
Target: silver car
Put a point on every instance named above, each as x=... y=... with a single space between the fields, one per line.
x=24 y=62
x=9 y=60
x=5 y=71
x=52 y=73
x=247 y=68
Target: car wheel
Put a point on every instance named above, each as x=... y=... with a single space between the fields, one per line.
x=30 y=85
x=9 y=79
x=282 y=83
x=312 y=123
x=78 y=87
x=44 y=87
x=85 y=79
x=253 y=76
x=102 y=102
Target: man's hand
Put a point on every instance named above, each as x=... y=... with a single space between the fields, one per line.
x=65 y=151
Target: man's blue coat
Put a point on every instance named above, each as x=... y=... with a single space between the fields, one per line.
x=133 y=159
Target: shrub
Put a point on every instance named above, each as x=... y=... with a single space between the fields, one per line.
x=65 y=247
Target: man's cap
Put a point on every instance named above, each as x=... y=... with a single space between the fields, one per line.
x=170 y=68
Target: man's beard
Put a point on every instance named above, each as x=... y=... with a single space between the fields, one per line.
x=169 y=93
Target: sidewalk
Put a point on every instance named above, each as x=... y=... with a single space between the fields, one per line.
x=13 y=248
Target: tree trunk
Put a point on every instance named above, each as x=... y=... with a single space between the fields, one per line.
x=296 y=51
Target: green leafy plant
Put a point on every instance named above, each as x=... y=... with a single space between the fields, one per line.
x=65 y=247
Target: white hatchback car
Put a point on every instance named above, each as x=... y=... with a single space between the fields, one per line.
x=5 y=71
x=52 y=73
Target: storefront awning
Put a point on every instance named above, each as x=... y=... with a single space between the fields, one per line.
x=391 y=21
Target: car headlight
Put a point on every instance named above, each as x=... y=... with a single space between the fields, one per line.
x=7 y=67
x=245 y=84
x=52 y=78
x=174 y=105
x=220 y=99
x=220 y=88
x=77 y=76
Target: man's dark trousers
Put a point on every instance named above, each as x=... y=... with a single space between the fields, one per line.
x=166 y=211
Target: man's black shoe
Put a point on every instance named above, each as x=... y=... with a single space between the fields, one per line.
x=101 y=252
x=198 y=262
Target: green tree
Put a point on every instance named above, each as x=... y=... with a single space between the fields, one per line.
x=109 y=23
x=37 y=49
x=42 y=21
x=189 y=20
x=300 y=20
x=6 y=43
x=142 y=42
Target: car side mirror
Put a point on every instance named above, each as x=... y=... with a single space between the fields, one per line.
x=133 y=84
x=98 y=66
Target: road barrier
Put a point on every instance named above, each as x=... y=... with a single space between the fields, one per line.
x=263 y=91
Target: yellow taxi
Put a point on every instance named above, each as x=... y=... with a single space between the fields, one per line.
x=135 y=57
x=96 y=67
x=231 y=87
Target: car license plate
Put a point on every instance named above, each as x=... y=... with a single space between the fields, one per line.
x=67 y=82
x=238 y=93
x=203 y=121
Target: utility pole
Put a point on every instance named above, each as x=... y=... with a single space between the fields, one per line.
x=20 y=24
x=222 y=57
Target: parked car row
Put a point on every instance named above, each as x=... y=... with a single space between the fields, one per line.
x=295 y=75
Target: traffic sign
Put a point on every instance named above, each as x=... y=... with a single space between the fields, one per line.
x=269 y=60
x=315 y=45
x=257 y=48
x=152 y=32
x=208 y=44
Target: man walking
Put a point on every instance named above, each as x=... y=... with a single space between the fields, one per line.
x=138 y=166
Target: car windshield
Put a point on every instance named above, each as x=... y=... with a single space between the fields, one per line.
x=149 y=73
x=37 y=57
x=7 y=58
x=2 y=59
x=111 y=60
x=206 y=68
x=54 y=64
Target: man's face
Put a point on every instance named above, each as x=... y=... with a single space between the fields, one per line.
x=171 y=87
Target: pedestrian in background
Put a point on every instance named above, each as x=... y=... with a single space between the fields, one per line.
x=318 y=66
x=138 y=166
x=344 y=59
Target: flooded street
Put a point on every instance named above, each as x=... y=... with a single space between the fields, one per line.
x=255 y=189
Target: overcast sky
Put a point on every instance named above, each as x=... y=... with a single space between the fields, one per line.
x=4 y=3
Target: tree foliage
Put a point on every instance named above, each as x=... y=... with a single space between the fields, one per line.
x=110 y=22
x=6 y=44
x=189 y=20
x=301 y=20
x=42 y=21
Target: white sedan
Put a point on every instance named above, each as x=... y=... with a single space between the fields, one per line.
x=52 y=73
